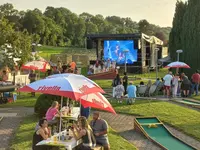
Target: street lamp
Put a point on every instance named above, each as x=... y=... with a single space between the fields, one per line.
x=178 y=52
x=157 y=49
x=125 y=51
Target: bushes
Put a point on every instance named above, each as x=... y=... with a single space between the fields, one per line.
x=84 y=71
x=43 y=102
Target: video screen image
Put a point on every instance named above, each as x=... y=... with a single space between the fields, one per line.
x=114 y=50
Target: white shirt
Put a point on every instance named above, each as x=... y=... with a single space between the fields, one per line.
x=168 y=78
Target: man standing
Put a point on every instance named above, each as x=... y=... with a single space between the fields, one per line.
x=195 y=82
x=167 y=83
x=100 y=129
x=73 y=65
x=125 y=82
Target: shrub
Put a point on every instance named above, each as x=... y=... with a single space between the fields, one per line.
x=84 y=71
x=44 y=101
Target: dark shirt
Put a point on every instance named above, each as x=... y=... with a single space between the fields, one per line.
x=85 y=111
x=64 y=67
x=125 y=80
x=32 y=77
x=36 y=139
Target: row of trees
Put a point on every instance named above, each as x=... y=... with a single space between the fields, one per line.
x=61 y=27
x=185 y=33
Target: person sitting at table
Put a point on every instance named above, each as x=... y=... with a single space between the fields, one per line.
x=85 y=133
x=100 y=129
x=41 y=134
x=4 y=76
x=52 y=112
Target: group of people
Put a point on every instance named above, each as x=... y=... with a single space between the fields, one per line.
x=62 y=68
x=91 y=133
x=181 y=84
x=101 y=66
x=121 y=89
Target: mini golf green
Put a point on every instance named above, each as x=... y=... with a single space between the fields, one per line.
x=189 y=102
x=148 y=120
x=162 y=136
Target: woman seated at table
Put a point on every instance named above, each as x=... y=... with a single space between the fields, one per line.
x=41 y=134
x=52 y=112
x=85 y=133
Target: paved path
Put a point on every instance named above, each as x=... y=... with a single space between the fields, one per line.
x=124 y=125
x=10 y=122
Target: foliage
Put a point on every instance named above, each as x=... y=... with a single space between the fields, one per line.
x=184 y=119
x=24 y=99
x=43 y=102
x=185 y=34
x=61 y=27
x=13 y=44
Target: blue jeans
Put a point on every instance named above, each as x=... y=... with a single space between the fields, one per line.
x=195 y=87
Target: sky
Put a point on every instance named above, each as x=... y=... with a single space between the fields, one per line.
x=159 y=12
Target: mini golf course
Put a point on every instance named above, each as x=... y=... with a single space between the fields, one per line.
x=189 y=103
x=156 y=131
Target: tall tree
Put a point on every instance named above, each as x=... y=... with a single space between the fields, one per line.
x=190 y=36
x=13 y=44
x=175 y=42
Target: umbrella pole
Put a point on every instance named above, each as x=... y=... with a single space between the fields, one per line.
x=177 y=70
x=60 y=125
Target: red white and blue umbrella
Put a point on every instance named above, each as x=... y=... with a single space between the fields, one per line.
x=96 y=100
x=77 y=76
x=71 y=86
x=177 y=64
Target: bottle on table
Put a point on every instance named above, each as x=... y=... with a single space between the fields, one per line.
x=67 y=134
x=63 y=137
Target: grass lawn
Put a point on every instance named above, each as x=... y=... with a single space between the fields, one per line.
x=107 y=83
x=24 y=134
x=24 y=99
x=196 y=97
x=46 y=51
x=184 y=119
x=152 y=75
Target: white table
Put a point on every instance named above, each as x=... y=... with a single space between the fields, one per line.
x=69 y=144
x=73 y=116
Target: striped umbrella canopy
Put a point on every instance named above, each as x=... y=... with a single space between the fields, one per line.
x=96 y=100
x=71 y=86
x=36 y=65
x=177 y=64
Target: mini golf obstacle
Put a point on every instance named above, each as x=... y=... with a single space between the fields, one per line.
x=157 y=132
x=189 y=102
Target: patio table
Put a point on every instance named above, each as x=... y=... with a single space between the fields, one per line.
x=68 y=144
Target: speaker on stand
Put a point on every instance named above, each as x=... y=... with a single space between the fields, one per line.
x=89 y=44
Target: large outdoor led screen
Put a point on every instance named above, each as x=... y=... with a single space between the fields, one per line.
x=115 y=51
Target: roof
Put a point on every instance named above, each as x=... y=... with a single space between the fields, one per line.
x=150 y=39
x=165 y=59
x=93 y=36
